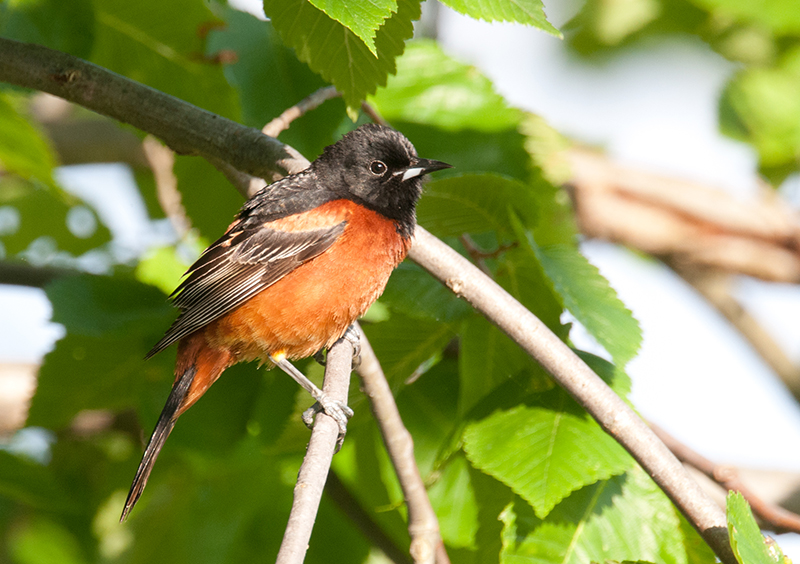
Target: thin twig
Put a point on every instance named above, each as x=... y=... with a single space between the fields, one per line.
x=162 y=161
x=476 y=254
x=317 y=462
x=614 y=415
x=774 y=518
x=423 y=526
x=715 y=287
x=348 y=504
x=310 y=102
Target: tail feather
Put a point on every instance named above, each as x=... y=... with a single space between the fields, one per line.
x=166 y=421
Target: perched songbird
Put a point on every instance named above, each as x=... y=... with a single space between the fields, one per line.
x=304 y=258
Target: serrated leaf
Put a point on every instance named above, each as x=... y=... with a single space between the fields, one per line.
x=624 y=518
x=362 y=17
x=473 y=203
x=23 y=149
x=414 y=292
x=403 y=344
x=335 y=52
x=435 y=89
x=587 y=295
x=748 y=544
x=530 y=12
x=544 y=452
x=269 y=79
x=488 y=359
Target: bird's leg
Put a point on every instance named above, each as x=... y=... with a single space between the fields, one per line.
x=339 y=411
x=354 y=336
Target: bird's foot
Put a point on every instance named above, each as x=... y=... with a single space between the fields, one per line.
x=338 y=411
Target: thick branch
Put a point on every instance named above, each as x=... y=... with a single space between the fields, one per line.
x=614 y=415
x=317 y=462
x=187 y=129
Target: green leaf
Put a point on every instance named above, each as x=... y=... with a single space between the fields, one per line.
x=31 y=483
x=413 y=292
x=474 y=203
x=779 y=16
x=362 y=17
x=63 y=26
x=434 y=89
x=454 y=501
x=588 y=296
x=530 y=12
x=43 y=541
x=404 y=344
x=747 y=542
x=45 y=223
x=761 y=106
x=544 y=452
x=111 y=324
x=488 y=359
x=269 y=79
x=161 y=44
x=335 y=52
x=23 y=149
x=624 y=518
x=161 y=268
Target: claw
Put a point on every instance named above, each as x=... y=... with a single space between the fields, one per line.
x=340 y=412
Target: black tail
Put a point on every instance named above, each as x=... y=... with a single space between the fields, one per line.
x=166 y=421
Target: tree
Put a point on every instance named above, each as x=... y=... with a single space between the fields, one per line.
x=514 y=466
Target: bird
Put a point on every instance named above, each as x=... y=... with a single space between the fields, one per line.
x=303 y=259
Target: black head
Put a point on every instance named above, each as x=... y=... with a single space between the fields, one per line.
x=377 y=167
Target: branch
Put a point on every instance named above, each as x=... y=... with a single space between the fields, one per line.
x=423 y=527
x=614 y=415
x=187 y=129
x=775 y=518
x=317 y=462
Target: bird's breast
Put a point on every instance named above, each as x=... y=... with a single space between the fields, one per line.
x=311 y=307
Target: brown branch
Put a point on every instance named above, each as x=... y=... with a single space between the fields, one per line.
x=317 y=462
x=310 y=102
x=690 y=223
x=162 y=161
x=190 y=130
x=715 y=287
x=614 y=415
x=187 y=129
x=423 y=526
x=773 y=517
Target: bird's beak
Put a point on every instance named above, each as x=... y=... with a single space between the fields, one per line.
x=424 y=166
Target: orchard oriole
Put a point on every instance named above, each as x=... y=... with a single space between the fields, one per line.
x=304 y=258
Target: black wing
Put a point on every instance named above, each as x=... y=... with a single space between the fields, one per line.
x=235 y=268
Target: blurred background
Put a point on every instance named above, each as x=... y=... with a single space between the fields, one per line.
x=659 y=99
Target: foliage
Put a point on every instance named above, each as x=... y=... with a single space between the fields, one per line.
x=516 y=470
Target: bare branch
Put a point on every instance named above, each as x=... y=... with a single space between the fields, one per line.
x=614 y=415
x=162 y=161
x=283 y=121
x=317 y=462
x=423 y=526
x=187 y=129
x=687 y=222
x=715 y=286
x=773 y=517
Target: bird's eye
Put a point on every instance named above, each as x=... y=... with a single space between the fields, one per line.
x=377 y=167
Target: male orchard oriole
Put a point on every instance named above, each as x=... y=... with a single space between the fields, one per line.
x=304 y=258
